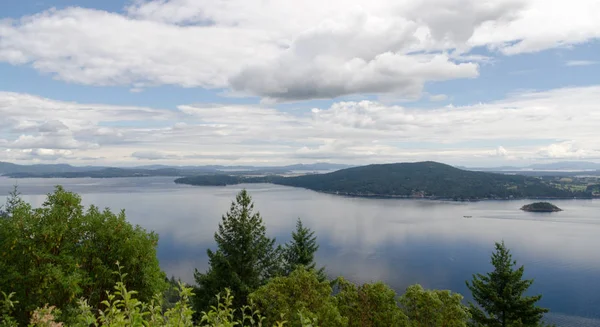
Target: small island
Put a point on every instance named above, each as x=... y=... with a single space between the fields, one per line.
x=541 y=207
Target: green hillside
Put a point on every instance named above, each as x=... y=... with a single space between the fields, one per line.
x=429 y=179
x=420 y=179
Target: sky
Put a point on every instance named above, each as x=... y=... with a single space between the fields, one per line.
x=192 y=82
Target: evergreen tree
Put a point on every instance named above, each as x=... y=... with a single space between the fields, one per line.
x=245 y=259
x=12 y=202
x=300 y=251
x=500 y=295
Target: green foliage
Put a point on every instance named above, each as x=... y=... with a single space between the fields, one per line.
x=171 y=294
x=7 y=306
x=298 y=298
x=369 y=305
x=223 y=314
x=59 y=252
x=122 y=308
x=12 y=202
x=500 y=295
x=300 y=251
x=434 y=308
x=245 y=259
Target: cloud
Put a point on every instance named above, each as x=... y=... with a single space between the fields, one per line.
x=499 y=152
x=572 y=63
x=40 y=128
x=568 y=150
x=572 y=23
x=357 y=132
x=48 y=141
x=290 y=50
x=330 y=77
x=95 y=47
x=35 y=155
x=438 y=97
x=153 y=155
x=48 y=154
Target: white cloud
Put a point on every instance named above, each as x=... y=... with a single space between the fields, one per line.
x=568 y=150
x=48 y=141
x=525 y=124
x=438 y=97
x=572 y=63
x=541 y=25
x=290 y=50
x=499 y=152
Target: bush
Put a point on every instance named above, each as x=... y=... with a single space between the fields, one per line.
x=369 y=305
x=59 y=252
x=298 y=298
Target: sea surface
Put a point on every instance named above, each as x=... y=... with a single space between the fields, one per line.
x=398 y=241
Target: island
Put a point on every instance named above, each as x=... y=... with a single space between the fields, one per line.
x=428 y=180
x=540 y=207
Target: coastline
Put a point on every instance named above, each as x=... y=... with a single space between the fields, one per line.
x=409 y=197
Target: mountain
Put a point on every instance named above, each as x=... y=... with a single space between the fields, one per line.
x=421 y=179
x=9 y=168
x=68 y=171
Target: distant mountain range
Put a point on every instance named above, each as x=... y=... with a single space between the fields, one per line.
x=68 y=171
x=555 y=166
x=410 y=180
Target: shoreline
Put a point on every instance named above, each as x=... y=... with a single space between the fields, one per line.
x=408 y=197
x=344 y=194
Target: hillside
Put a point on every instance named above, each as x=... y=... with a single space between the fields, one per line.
x=421 y=179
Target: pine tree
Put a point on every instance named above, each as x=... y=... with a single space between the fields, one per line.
x=300 y=251
x=13 y=201
x=245 y=259
x=500 y=295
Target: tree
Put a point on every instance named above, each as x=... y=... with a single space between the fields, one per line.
x=369 y=305
x=297 y=297
x=245 y=258
x=13 y=200
x=500 y=295
x=300 y=251
x=434 y=308
x=59 y=252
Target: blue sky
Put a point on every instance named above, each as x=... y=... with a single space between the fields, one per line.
x=243 y=82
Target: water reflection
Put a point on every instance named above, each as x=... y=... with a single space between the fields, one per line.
x=398 y=241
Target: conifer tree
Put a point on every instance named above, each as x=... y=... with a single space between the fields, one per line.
x=300 y=251
x=500 y=295
x=245 y=257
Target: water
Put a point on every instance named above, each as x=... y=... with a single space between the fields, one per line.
x=400 y=242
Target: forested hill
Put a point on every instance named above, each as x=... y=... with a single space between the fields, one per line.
x=420 y=179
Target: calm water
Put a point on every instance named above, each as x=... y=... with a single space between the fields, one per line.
x=398 y=241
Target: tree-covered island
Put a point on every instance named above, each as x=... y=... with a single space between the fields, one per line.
x=541 y=207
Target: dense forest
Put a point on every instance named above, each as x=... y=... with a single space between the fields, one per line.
x=421 y=179
x=65 y=265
